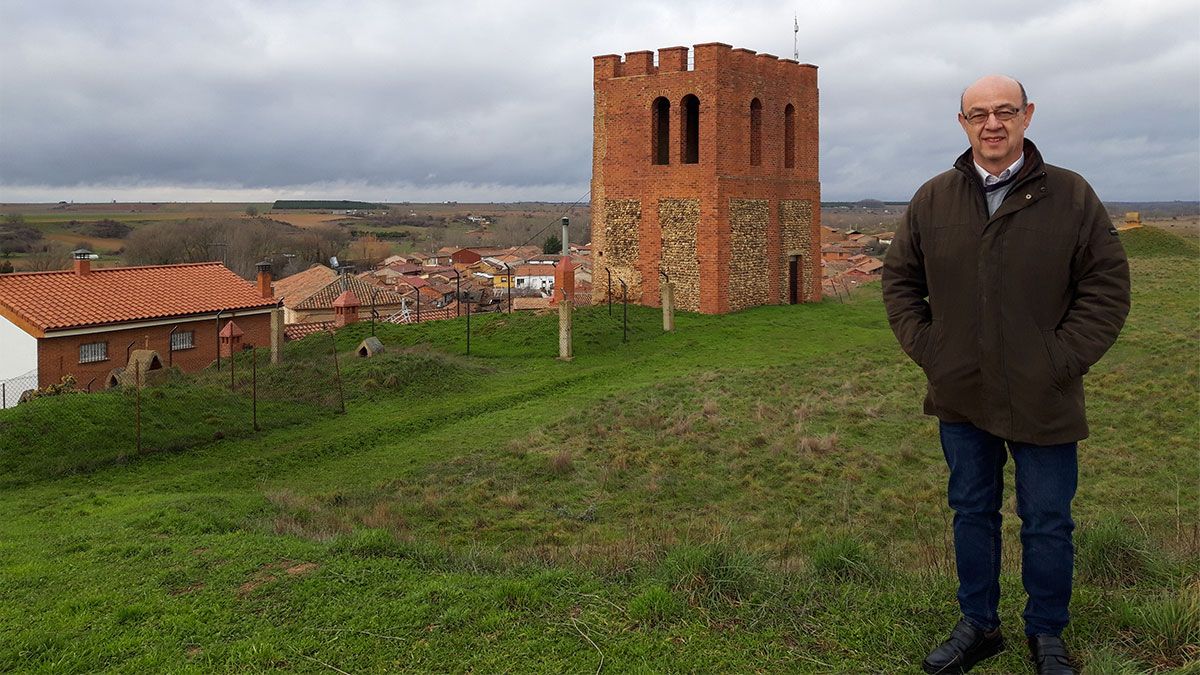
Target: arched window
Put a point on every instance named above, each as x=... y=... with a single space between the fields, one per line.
x=690 y=138
x=755 y=132
x=789 y=136
x=660 y=131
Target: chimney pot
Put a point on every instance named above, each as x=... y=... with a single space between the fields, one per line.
x=83 y=261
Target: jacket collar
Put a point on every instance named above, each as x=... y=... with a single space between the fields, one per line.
x=1033 y=164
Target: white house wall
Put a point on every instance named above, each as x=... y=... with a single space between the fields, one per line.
x=18 y=350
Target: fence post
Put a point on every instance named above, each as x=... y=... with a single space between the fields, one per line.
x=337 y=372
x=232 y=367
x=137 y=379
x=254 y=386
x=3 y=396
x=624 y=311
x=468 y=329
x=609 y=291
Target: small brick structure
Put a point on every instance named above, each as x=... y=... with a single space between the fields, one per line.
x=709 y=174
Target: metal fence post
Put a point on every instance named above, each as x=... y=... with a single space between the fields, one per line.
x=337 y=372
x=609 y=291
x=137 y=372
x=509 y=283
x=217 y=335
x=254 y=385
x=624 y=311
x=457 y=293
x=171 y=346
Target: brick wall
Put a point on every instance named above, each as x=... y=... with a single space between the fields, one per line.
x=738 y=255
x=59 y=356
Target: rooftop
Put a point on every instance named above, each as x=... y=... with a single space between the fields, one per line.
x=39 y=302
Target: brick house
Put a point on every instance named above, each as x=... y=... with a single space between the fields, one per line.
x=709 y=173
x=84 y=320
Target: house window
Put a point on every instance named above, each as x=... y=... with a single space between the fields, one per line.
x=182 y=340
x=755 y=132
x=789 y=136
x=691 y=130
x=93 y=352
x=660 y=130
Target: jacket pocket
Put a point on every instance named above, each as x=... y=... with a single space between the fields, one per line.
x=1060 y=367
x=929 y=350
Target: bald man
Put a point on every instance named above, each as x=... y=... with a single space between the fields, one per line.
x=1005 y=282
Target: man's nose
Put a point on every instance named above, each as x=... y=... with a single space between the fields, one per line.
x=992 y=122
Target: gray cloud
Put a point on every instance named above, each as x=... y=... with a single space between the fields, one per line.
x=484 y=100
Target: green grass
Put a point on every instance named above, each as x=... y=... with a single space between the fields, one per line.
x=753 y=492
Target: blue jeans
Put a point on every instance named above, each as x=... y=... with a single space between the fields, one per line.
x=1046 y=480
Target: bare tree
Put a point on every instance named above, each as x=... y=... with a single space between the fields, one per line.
x=53 y=255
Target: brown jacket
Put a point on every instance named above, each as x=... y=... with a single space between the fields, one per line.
x=1005 y=314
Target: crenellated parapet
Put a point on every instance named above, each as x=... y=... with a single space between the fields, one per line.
x=709 y=57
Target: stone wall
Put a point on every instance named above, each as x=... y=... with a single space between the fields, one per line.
x=748 y=284
x=679 y=218
x=796 y=225
x=622 y=224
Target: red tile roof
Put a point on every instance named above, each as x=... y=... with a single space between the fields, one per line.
x=302 y=285
x=48 y=301
x=325 y=297
x=534 y=270
x=296 y=331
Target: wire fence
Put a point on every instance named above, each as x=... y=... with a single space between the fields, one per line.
x=154 y=408
x=13 y=388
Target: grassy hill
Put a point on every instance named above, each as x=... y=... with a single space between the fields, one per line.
x=753 y=492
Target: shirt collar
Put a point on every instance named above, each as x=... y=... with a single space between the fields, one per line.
x=1011 y=171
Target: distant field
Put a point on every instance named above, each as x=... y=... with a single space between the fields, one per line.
x=305 y=218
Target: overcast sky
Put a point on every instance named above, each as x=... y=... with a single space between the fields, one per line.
x=492 y=101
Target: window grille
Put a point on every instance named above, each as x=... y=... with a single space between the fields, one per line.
x=93 y=352
x=182 y=340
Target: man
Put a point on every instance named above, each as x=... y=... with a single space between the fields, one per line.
x=1005 y=282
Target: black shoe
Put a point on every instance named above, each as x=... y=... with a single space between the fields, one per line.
x=966 y=646
x=1049 y=654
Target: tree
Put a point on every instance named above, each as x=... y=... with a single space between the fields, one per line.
x=54 y=255
x=552 y=244
x=6 y=267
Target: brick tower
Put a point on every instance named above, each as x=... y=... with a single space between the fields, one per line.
x=707 y=172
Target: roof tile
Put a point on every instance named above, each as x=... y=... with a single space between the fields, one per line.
x=62 y=299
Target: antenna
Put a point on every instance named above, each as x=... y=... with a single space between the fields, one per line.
x=795 y=37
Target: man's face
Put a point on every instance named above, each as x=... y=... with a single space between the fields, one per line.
x=996 y=143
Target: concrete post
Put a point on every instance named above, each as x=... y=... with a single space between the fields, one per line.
x=276 y=335
x=668 y=306
x=564 y=330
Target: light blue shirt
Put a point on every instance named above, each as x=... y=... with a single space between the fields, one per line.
x=996 y=197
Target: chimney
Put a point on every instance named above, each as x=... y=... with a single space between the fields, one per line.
x=264 y=279
x=345 y=309
x=83 y=261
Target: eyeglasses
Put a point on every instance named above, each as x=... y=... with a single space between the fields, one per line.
x=1002 y=115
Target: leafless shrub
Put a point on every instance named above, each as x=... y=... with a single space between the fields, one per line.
x=561 y=463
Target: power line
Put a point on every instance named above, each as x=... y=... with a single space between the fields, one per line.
x=558 y=219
